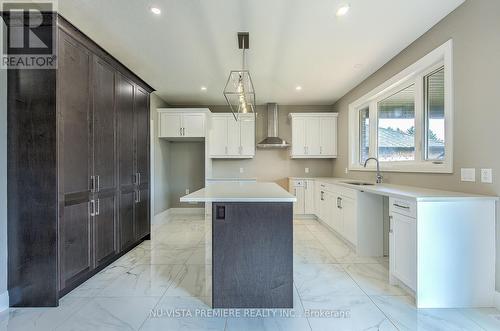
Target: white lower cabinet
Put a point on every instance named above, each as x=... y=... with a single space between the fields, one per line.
x=298 y=206
x=349 y=220
x=303 y=190
x=338 y=210
x=309 y=197
x=403 y=249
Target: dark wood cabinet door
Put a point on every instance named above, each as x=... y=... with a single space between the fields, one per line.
x=104 y=125
x=75 y=243
x=126 y=129
x=127 y=233
x=74 y=101
x=142 y=133
x=142 y=224
x=104 y=229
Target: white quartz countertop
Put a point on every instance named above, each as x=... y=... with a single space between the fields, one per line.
x=240 y=192
x=401 y=191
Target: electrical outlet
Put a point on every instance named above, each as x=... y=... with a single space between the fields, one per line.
x=487 y=176
x=242 y=170
x=306 y=170
x=187 y=191
x=468 y=174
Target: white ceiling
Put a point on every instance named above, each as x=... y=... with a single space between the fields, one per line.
x=292 y=42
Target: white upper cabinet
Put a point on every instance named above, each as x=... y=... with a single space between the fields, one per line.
x=314 y=135
x=170 y=125
x=230 y=138
x=182 y=123
x=328 y=136
x=247 y=136
x=193 y=125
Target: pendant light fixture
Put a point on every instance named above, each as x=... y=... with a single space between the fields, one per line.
x=239 y=91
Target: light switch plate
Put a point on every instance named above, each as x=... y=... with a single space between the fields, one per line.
x=468 y=174
x=487 y=176
x=306 y=170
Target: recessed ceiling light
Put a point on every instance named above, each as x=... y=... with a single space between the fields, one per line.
x=156 y=10
x=203 y=88
x=298 y=88
x=343 y=10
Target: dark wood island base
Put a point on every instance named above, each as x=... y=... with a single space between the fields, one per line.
x=252 y=255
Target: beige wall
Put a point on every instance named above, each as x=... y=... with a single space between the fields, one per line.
x=475 y=30
x=273 y=165
x=186 y=171
x=159 y=160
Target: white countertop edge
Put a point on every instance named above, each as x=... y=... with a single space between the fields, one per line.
x=238 y=199
x=409 y=194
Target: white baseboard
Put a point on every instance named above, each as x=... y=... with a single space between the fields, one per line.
x=186 y=211
x=497 y=300
x=4 y=301
x=163 y=217
x=304 y=217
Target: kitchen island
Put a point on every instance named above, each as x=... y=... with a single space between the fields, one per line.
x=252 y=244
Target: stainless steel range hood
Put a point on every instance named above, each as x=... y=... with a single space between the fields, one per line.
x=272 y=140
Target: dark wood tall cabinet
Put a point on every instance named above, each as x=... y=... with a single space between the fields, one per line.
x=78 y=167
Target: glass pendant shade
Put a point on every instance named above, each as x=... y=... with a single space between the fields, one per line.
x=239 y=93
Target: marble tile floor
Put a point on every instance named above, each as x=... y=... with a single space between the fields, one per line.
x=164 y=284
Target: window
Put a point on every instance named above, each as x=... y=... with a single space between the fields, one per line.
x=364 y=134
x=396 y=126
x=407 y=121
x=434 y=116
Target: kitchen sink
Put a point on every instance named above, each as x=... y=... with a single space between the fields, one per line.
x=359 y=183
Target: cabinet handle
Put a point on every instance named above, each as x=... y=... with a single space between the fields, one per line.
x=92 y=208
x=137 y=196
x=139 y=178
x=180 y=131
x=400 y=206
x=339 y=203
x=322 y=195
x=295 y=191
x=92 y=184
x=184 y=132
x=320 y=149
x=390 y=223
x=98 y=212
x=98 y=185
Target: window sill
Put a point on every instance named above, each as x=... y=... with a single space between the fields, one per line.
x=408 y=168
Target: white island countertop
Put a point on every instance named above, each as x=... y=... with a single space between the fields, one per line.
x=401 y=191
x=240 y=192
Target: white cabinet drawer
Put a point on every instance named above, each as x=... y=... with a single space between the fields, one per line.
x=346 y=192
x=403 y=207
x=298 y=182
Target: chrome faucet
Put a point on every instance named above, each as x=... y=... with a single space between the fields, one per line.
x=379 y=176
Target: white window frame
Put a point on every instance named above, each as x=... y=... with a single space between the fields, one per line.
x=414 y=74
